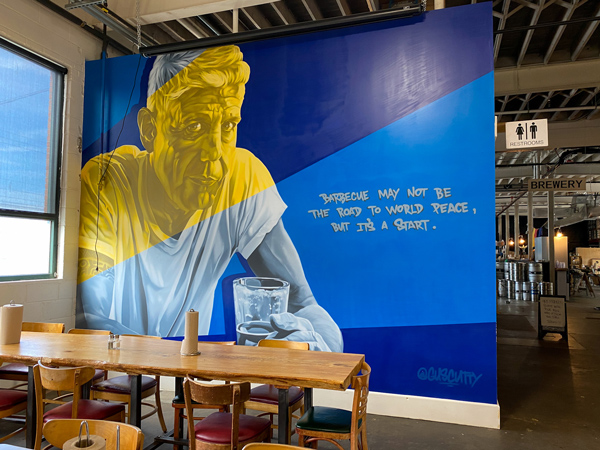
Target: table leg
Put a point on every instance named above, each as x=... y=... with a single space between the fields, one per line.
x=308 y=398
x=283 y=417
x=179 y=425
x=86 y=390
x=135 y=414
x=30 y=413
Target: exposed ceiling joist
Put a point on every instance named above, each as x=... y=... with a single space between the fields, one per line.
x=344 y=8
x=255 y=17
x=555 y=77
x=313 y=9
x=501 y=25
x=534 y=20
x=586 y=35
x=283 y=12
x=154 y=11
x=560 y=30
x=373 y=5
x=194 y=27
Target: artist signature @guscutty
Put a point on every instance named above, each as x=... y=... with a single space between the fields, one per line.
x=448 y=377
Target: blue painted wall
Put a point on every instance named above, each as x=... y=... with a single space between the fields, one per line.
x=378 y=109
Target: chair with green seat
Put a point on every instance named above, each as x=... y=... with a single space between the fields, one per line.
x=321 y=423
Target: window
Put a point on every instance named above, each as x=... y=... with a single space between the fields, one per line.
x=31 y=101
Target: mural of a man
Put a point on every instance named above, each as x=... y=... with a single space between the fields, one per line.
x=160 y=225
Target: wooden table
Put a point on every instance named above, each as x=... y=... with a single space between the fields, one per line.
x=280 y=367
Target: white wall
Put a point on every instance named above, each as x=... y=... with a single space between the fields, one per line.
x=31 y=25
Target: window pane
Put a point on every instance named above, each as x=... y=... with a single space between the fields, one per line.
x=27 y=165
x=25 y=245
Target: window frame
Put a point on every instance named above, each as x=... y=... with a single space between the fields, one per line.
x=57 y=120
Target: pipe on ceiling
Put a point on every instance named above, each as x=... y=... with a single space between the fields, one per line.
x=84 y=26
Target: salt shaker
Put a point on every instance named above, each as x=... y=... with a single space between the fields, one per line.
x=111 y=341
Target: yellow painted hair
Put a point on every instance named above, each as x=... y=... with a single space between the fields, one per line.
x=218 y=68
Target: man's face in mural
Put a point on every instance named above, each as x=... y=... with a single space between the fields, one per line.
x=195 y=137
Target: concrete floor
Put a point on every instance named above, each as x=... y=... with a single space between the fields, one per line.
x=549 y=392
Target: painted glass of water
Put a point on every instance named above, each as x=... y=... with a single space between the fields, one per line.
x=256 y=298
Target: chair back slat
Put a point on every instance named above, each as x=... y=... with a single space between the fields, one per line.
x=360 y=384
x=88 y=331
x=64 y=379
x=276 y=343
x=217 y=394
x=58 y=431
x=43 y=327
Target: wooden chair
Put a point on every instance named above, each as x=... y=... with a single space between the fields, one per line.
x=118 y=389
x=331 y=424
x=68 y=379
x=266 y=397
x=100 y=374
x=18 y=371
x=178 y=404
x=222 y=430
x=58 y=431
x=12 y=401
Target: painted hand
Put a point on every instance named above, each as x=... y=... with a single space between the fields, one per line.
x=289 y=327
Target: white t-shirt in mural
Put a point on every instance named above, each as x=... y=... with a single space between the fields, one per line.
x=157 y=278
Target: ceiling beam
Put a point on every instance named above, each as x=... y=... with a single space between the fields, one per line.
x=586 y=35
x=591 y=168
x=544 y=103
x=283 y=12
x=373 y=5
x=208 y=25
x=560 y=30
x=565 y=102
x=257 y=19
x=524 y=103
x=171 y=31
x=313 y=10
x=225 y=19
x=501 y=25
x=537 y=12
x=154 y=11
x=194 y=28
x=343 y=7
x=553 y=77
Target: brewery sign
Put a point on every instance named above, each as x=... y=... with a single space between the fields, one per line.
x=557 y=184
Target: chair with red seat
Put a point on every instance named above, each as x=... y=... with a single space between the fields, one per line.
x=222 y=430
x=118 y=389
x=12 y=401
x=321 y=423
x=178 y=404
x=266 y=397
x=68 y=379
